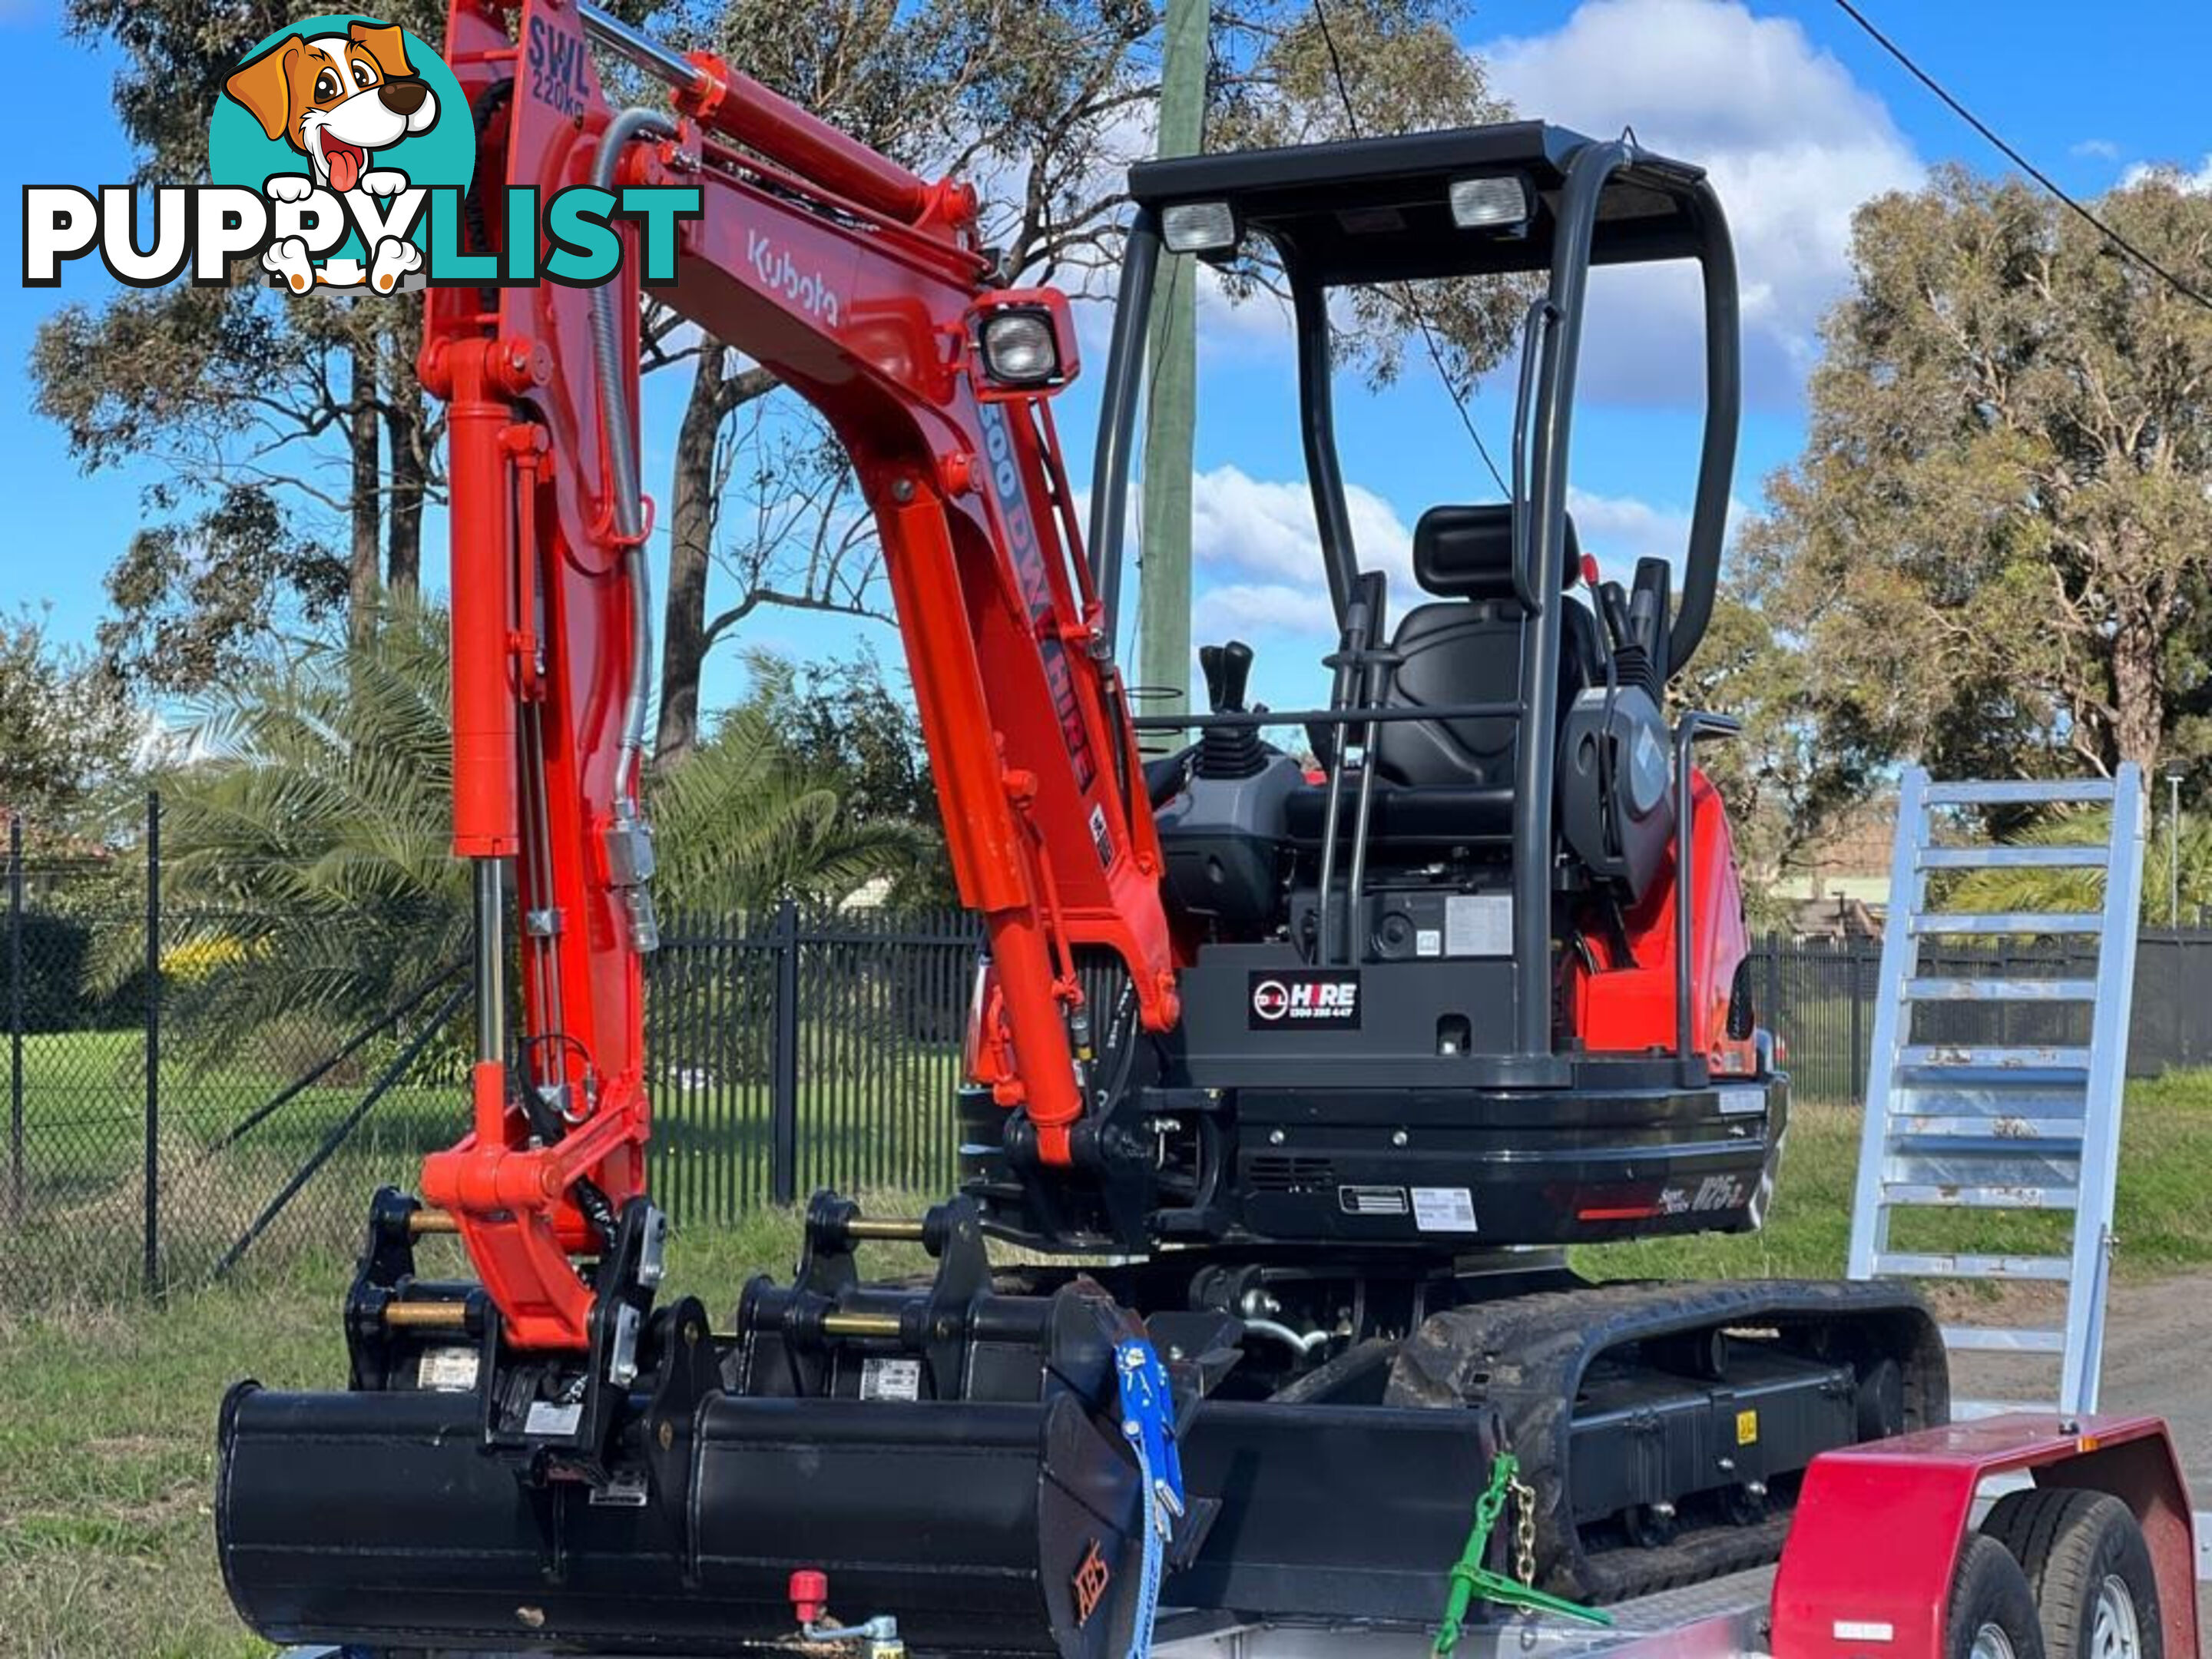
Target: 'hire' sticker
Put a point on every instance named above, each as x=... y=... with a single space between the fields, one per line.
x=1303 y=999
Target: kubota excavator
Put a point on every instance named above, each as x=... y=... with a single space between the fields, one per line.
x=1293 y=1092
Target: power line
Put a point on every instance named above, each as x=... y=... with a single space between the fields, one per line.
x=2186 y=290
x=1420 y=319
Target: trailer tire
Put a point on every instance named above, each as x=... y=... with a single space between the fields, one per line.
x=1992 y=1612
x=2095 y=1590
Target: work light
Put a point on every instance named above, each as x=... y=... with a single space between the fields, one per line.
x=1198 y=226
x=1019 y=350
x=1489 y=204
x=1024 y=343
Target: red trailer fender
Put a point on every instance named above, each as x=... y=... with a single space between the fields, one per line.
x=1865 y=1573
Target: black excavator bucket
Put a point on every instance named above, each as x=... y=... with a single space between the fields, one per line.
x=1001 y=1514
x=359 y=1518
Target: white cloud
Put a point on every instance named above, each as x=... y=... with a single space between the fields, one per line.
x=1794 y=145
x=2096 y=150
x=1258 y=557
x=160 y=745
x=1257 y=528
x=1236 y=609
x=1621 y=529
x=2198 y=182
x=1259 y=323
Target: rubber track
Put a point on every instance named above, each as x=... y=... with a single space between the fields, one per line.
x=1526 y=1356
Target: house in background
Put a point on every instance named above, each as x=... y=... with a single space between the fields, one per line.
x=1838 y=886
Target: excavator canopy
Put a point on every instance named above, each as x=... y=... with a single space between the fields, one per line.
x=1476 y=202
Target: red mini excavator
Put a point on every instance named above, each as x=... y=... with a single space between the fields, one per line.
x=1293 y=1090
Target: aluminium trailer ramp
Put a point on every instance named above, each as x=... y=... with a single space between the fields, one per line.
x=2011 y=1110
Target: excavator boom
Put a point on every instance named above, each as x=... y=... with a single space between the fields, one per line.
x=861 y=286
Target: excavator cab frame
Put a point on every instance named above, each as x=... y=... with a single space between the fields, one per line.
x=1506 y=201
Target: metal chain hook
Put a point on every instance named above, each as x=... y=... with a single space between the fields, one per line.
x=1524 y=1529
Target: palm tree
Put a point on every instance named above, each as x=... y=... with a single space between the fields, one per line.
x=741 y=823
x=2013 y=890
x=306 y=870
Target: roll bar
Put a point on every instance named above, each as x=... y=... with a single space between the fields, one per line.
x=1563 y=237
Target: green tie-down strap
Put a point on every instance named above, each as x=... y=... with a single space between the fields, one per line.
x=1470 y=1579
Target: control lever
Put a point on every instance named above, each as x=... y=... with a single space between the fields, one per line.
x=1612 y=605
x=1229 y=751
x=1236 y=675
x=1228 y=671
x=1642 y=615
x=1648 y=608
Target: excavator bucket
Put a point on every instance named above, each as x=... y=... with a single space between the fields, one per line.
x=997 y=1511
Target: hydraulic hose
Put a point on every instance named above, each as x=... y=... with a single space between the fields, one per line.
x=623 y=470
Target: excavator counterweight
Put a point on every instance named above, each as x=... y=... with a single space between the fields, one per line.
x=1292 y=1071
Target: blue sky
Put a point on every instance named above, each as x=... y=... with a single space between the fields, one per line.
x=1799 y=117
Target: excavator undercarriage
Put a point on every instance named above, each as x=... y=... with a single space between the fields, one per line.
x=1294 y=1070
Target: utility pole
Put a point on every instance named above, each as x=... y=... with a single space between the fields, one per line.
x=1170 y=410
x=2173 y=849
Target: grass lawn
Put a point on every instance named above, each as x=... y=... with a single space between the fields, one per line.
x=872 y=1122
x=107 y=1448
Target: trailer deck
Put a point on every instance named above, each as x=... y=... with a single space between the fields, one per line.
x=1725 y=1616
x=1715 y=1620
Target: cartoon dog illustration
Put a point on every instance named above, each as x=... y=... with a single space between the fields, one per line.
x=337 y=99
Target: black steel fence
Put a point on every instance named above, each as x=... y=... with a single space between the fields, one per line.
x=791 y=1049
x=1819 y=995
x=804 y=1048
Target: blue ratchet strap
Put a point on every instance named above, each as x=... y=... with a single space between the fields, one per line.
x=1148 y=1424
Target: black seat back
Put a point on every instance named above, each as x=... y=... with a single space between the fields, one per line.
x=1465 y=647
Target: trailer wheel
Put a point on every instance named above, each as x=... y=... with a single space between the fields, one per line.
x=1992 y=1612
x=2090 y=1569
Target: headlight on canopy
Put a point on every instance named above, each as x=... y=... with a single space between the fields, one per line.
x=1198 y=226
x=1490 y=203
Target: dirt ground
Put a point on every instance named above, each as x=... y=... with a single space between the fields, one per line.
x=2157 y=1357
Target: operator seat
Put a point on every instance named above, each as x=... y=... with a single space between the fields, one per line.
x=1448 y=782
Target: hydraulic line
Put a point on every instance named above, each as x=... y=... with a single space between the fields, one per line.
x=628 y=494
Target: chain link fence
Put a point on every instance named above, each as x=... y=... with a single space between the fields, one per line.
x=791 y=1049
x=142 y=1147
x=146 y=1148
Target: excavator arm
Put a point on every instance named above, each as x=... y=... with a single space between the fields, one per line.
x=863 y=289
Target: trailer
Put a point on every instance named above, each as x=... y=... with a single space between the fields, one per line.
x=2004 y=1538
x=2024 y=1536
